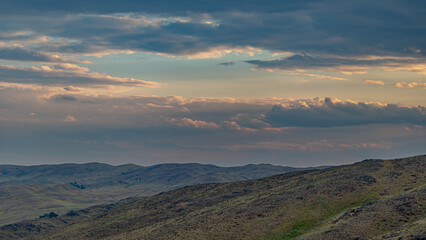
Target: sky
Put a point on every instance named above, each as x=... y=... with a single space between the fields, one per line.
x=296 y=83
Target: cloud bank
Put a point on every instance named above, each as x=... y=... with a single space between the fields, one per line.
x=331 y=112
x=221 y=114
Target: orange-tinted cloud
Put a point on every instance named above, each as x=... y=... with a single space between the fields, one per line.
x=410 y=85
x=375 y=82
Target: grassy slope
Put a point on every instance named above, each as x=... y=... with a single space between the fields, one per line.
x=389 y=215
x=28 y=192
x=280 y=207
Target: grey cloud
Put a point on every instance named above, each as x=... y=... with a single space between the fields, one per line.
x=63 y=98
x=24 y=54
x=305 y=61
x=65 y=74
x=226 y=64
x=157 y=7
x=345 y=29
x=344 y=65
x=333 y=113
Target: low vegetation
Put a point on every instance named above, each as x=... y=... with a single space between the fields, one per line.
x=49 y=215
x=382 y=199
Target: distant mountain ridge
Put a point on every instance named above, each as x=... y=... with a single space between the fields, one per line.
x=93 y=174
x=30 y=191
x=372 y=199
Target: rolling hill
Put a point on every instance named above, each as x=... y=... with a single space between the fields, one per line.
x=27 y=192
x=373 y=199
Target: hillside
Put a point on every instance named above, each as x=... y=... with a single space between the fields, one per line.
x=384 y=199
x=27 y=192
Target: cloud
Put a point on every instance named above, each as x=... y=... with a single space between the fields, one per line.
x=375 y=82
x=214 y=29
x=70 y=67
x=226 y=64
x=351 y=37
x=18 y=53
x=20 y=38
x=399 y=84
x=70 y=118
x=175 y=112
x=246 y=115
x=65 y=74
x=218 y=52
x=300 y=63
x=233 y=125
x=331 y=112
x=63 y=98
x=187 y=122
x=231 y=130
x=322 y=76
x=410 y=85
x=223 y=125
x=165 y=7
x=71 y=89
x=314 y=146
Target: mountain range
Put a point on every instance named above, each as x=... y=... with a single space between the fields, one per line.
x=27 y=192
x=372 y=199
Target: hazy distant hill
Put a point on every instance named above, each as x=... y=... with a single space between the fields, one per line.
x=371 y=199
x=27 y=192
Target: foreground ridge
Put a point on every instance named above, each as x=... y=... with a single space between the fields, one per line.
x=384 y=199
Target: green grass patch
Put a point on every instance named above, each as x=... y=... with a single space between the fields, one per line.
x=317 y=213
x=296 y=229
